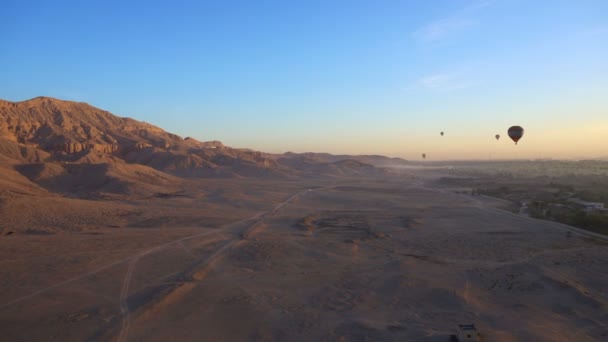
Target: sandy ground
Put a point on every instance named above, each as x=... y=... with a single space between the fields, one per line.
x=343 y=260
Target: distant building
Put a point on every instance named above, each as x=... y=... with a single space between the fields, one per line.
x=589 y=206
x=467 y=332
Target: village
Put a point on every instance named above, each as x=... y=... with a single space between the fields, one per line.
x=569 y=192
x=561 y=207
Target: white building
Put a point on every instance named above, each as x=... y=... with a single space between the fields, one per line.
x=589 y=206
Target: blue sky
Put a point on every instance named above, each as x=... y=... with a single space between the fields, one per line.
x=339 y=76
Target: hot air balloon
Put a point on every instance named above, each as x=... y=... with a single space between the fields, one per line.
x=515 y=133
x=424 y=156
x=497 y=136
x=441 y=133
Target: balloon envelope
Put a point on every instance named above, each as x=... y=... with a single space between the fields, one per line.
x=497 y=136
x=515 y=133
x=424 y=155
x=441 y=133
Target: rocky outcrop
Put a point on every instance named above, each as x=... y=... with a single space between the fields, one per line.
x=270 y=163
x=212 y=144
x=71 y=127
x=203 y=144
x=140 y=145
x=78 y=147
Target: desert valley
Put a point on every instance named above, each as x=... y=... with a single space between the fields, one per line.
x=112 y=229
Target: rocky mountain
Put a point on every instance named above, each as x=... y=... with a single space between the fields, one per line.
x=77 y=147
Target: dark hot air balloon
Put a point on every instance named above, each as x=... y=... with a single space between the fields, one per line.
x=424 y=156
x=515 y=133
x=441 y=133
x=497 y=136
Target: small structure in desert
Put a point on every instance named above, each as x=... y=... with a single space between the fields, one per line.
x=467 y=332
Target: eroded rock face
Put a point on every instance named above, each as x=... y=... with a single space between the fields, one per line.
x=56 y=125
x=212 y=144
x=269 y=163
x=78 y=147
x=203 y=144
x=140 y=145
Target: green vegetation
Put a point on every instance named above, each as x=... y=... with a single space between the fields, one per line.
x=594 y=221
x=543 y=189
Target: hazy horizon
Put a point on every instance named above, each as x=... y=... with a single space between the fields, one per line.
x=340 y=77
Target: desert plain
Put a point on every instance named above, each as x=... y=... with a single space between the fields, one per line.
x=382 y=258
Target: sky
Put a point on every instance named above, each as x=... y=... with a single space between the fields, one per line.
x=339 y=76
